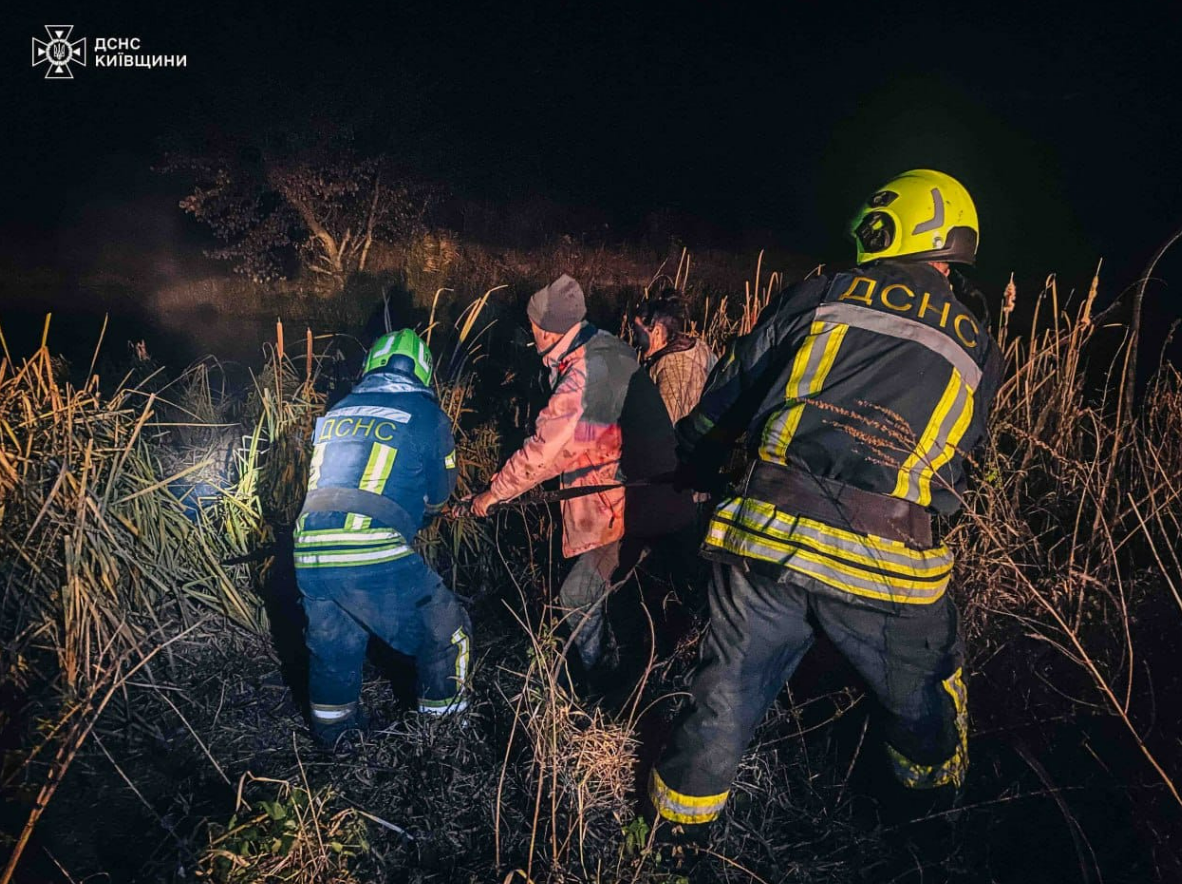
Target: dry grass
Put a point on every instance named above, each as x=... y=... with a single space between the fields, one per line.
x=1064 y=535
x=94 y=535
x=1068 y=534
x=580 y=762
x=104 y=562
x=295 y=836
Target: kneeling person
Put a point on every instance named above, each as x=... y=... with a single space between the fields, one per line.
x=382 y=466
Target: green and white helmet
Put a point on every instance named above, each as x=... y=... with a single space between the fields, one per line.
x=404 y=344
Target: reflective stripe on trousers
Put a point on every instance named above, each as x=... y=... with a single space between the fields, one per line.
x=760 y=628
x=679 y=808
x=404 y=604
x=951 y=771
x=328 y=713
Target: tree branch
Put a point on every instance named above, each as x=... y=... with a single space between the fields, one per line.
x=373 y=211
x=329 y=243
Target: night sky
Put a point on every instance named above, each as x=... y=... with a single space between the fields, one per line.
x=769 y=126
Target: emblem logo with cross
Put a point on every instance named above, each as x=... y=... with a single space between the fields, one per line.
x=58 y=53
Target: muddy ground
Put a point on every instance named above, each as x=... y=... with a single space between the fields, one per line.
x=1051 y=796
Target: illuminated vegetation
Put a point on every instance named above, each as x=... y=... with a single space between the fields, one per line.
x=143 y=606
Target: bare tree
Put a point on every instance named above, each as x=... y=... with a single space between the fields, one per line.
x=318 y=207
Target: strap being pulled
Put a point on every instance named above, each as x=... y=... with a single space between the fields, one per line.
x=562 y=494
x=543 y=498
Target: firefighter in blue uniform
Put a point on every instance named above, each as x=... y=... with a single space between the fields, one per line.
x=859 y=394
x=383 y=464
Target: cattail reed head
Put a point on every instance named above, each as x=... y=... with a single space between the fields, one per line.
x=1010 y=298
x=1086 y=318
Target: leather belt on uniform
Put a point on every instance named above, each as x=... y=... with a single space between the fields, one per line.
x=800 y=493
x=356 y=500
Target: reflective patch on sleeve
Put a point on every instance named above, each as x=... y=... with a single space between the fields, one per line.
x=701 y=423
x=450 y=461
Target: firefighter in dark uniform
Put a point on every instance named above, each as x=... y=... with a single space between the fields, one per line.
x=859 y=393
x=383 y=464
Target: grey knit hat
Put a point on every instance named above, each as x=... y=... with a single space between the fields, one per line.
x=558 y=306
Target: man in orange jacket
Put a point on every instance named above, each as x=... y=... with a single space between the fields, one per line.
x=604 y=425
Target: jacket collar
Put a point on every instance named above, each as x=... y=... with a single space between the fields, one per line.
x=920 y=270
x=576 y=337
x=680 y=343
x=392 y=382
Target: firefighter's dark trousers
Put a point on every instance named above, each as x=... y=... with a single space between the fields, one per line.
x=760 y=628
x=403 y=603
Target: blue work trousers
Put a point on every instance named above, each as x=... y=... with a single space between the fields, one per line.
x=403 y=603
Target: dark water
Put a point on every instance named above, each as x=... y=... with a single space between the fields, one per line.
x=82 y=330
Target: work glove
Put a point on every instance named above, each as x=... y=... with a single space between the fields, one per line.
x=694 y=475
x=461 y=509
x=475 y=504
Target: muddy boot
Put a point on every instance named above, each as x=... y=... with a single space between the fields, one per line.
x=923 y=818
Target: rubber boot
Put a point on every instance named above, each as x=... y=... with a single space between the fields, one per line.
x=340 y=737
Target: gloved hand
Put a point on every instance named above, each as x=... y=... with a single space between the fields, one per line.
x=691 y=475
x=475 y=504
x=461 y=509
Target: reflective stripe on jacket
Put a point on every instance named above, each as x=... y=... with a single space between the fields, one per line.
x=387 y=437
x=878 y=378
